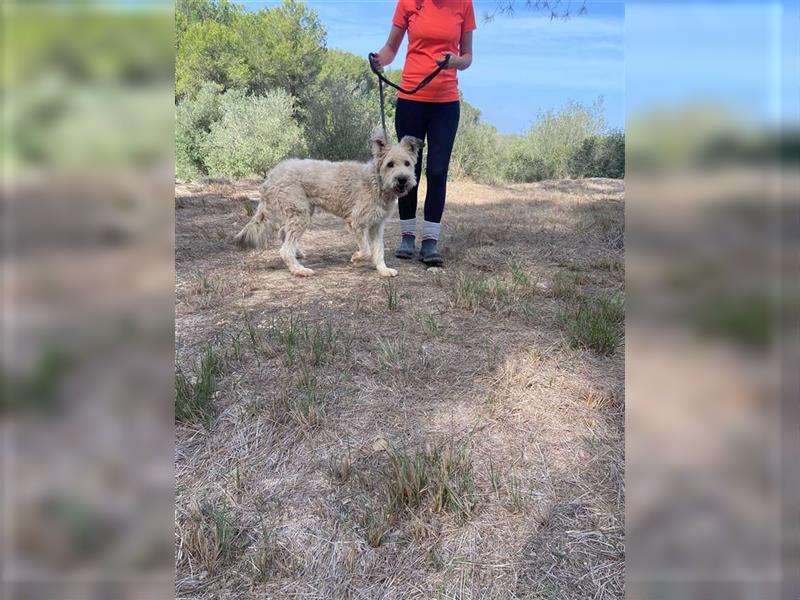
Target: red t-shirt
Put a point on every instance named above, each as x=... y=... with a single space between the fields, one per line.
x=434 y=27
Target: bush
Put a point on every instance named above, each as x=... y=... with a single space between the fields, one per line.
x=522 y=165
x=254 y=134
x=548 y=148
x=477 y=152
x=339 y=119
x=613 y=156
x=193 y=120
x=600 y=156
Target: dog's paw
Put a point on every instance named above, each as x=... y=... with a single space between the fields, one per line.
x=387 y=272
x=358 y=256
x=303 y=272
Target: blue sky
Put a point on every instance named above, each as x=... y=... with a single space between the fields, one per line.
x=523 y=64
x=737 y=54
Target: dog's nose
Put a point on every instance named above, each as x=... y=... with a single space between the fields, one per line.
x=402 y=180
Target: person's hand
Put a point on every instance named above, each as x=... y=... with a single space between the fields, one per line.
x=383 y=58
x=453 y=63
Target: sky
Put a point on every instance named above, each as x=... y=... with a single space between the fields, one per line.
x=740 y=55
x=523 y=64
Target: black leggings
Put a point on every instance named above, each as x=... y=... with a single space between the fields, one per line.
x=438 y=121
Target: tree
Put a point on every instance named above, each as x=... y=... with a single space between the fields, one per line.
x=189 y=12
x=341 y=65
x=285 y=48
x=210 y=51
x=197 y=11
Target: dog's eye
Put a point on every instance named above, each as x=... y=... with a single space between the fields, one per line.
x=408 y=164
x=390 y=164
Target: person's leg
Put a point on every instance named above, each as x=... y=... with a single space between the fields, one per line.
x=442 y=130
x=411 y=118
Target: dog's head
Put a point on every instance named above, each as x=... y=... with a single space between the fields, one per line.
x=395 y=162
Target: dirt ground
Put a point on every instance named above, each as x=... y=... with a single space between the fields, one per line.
x=439 y=435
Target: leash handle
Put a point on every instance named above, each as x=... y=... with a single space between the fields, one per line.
x=421 y=84
x=383 y=80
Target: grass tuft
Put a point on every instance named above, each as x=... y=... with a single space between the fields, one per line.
x=519 y=277
x=194 y=392
x=266 y=561
x=595 y=323
x=391 y=352
x=376 y=522
x=303 y=405
x=248 y=205
x=209 y=537
x=303 y=342
x=517 y=500
x=432 y=326
x=471 y=291
x=565 y=284
x=439 y=473
x=392 y=298
x=468 y=291
x=339 y=468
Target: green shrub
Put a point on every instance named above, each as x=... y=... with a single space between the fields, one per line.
x=522 y=165
x=253 y=135
x=339 y=118
x=477 y=152
x=193 y=120
x=600 y=156
x=546 y=150
x=613 y=155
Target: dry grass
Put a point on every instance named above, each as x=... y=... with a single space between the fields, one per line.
x=448 y=434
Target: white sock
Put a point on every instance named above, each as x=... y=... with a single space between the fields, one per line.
x=408 y=226
x=430 y=230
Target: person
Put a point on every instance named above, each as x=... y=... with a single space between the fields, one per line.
x=436 y=29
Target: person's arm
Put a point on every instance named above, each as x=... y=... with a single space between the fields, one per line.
x=389 y=51
x=464 y=60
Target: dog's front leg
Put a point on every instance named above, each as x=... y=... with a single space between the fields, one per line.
x=376 y=242
x=362 y=239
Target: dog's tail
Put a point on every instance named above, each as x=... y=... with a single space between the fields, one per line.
x=257 y=233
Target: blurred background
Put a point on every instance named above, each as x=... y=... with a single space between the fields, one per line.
x=87 y=361
x=88 y=103
x=711 y=327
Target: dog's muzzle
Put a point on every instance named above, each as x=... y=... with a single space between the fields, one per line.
x=401 y=186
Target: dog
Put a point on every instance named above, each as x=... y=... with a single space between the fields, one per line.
x=362 y=194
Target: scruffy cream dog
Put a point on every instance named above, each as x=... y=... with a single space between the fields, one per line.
x=360 y=193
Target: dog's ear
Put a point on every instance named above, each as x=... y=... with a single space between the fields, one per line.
x=377 y=142
x=412 y=144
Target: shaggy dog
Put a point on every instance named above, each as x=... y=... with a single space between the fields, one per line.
x=360 y=193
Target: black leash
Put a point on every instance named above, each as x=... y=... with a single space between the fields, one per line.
x=382 y=80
